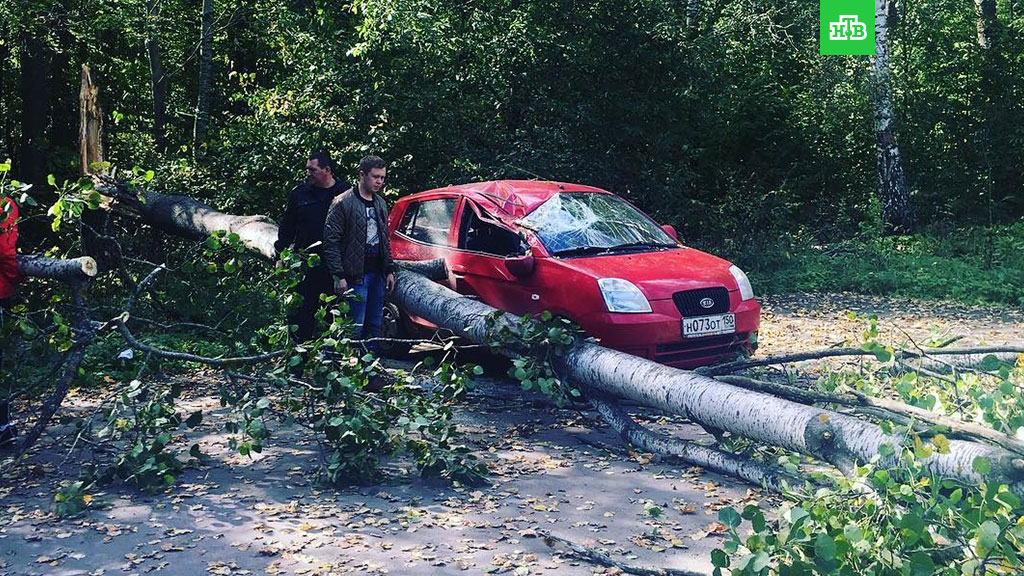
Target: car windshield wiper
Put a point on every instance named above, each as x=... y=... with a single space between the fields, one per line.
x=582 y=251
x=630 y=245
x=592 y=250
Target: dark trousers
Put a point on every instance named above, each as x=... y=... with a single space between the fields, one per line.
x=317 y=281
x=367 y=308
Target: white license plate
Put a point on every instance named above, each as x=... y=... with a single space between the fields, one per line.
x=709 y=325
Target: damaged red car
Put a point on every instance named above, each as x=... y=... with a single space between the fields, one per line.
x=581 y=253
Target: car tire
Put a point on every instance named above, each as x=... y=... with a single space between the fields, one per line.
x=391 y=327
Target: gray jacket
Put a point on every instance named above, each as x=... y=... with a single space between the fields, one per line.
x=345 y=236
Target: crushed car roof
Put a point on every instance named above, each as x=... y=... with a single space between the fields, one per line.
x=516 y=198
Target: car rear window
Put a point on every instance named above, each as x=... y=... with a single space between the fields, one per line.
x=429 y=221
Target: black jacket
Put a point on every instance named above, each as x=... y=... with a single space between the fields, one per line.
x=304 y=218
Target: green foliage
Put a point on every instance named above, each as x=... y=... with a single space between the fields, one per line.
x=546 y=338
x=143 y=419
x=983 y=265
x=73 y=498
x=892 y=521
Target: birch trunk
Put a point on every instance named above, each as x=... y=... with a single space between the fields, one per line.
x=692 y=12
x=73 y=270
x=986 y=12
x=897 y=211
x=829 y=436
x=183 y=216
x=205 y=92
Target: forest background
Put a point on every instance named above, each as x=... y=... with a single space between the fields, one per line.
x=717 y=116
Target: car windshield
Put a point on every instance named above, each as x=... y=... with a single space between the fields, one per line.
x=577 y=223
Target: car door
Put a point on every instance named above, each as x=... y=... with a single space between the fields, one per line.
x=425 y=229
x=425 y=233
x=478 y=262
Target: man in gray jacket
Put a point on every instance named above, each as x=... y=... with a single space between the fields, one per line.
x=357 y=248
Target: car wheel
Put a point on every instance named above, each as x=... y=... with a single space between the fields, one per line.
x=391 y=327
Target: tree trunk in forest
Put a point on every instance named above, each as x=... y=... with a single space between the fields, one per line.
x=829 y=436
x=90 y=123
x=987 y=22
x=897 y=210
x=157 y=78
x=205 y=93
x=36 y=59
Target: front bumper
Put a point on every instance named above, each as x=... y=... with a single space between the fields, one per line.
x=658 y=335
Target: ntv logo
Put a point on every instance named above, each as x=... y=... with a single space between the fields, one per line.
x=848 y=28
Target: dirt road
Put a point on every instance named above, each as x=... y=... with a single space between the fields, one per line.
x=553 y=470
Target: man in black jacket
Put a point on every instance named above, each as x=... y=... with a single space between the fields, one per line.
x=303 y=227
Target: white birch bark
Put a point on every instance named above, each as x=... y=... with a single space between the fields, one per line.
x=897 y=211
x=829 y=436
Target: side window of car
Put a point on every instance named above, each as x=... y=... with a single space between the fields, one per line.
x=429 y=221
x=477 y=235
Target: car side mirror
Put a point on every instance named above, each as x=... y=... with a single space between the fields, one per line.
x=671 y=231
x=520 y=266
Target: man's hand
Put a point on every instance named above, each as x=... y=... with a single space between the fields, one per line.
x=340 y=286
x=278 y=264
x=390 y=282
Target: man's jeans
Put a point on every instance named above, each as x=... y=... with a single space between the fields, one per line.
x=367 y=308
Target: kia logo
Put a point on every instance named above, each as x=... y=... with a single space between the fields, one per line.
x=707 y=303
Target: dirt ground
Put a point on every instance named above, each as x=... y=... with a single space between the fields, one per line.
x=554 y=470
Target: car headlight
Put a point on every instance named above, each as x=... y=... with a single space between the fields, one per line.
x=623 y=296
x=746 y=290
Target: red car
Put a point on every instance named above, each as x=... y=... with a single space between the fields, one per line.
x=582 y=253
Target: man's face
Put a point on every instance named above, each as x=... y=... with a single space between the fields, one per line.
x=317 y=176
x=374 y=179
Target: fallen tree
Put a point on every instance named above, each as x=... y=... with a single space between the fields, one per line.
x=832 y=437
x=828 y=436
x=70 y=270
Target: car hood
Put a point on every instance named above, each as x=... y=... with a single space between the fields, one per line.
x=657 y=274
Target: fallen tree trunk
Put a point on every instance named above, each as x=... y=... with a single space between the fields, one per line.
x=71 y=270
x=831 y=437
x=184 y=216
x=703 y=456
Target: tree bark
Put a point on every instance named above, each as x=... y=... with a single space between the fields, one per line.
x=897 y=211
x=205 y=92
x=90 y=124
x=157 y=78
x=703 y=456
x=692 y=13
x=987 y=22
x=72 y=270
x=183 y=216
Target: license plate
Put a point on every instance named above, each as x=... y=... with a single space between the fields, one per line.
x=709 y=325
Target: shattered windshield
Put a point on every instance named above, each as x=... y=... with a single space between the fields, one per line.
x=590 y=223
